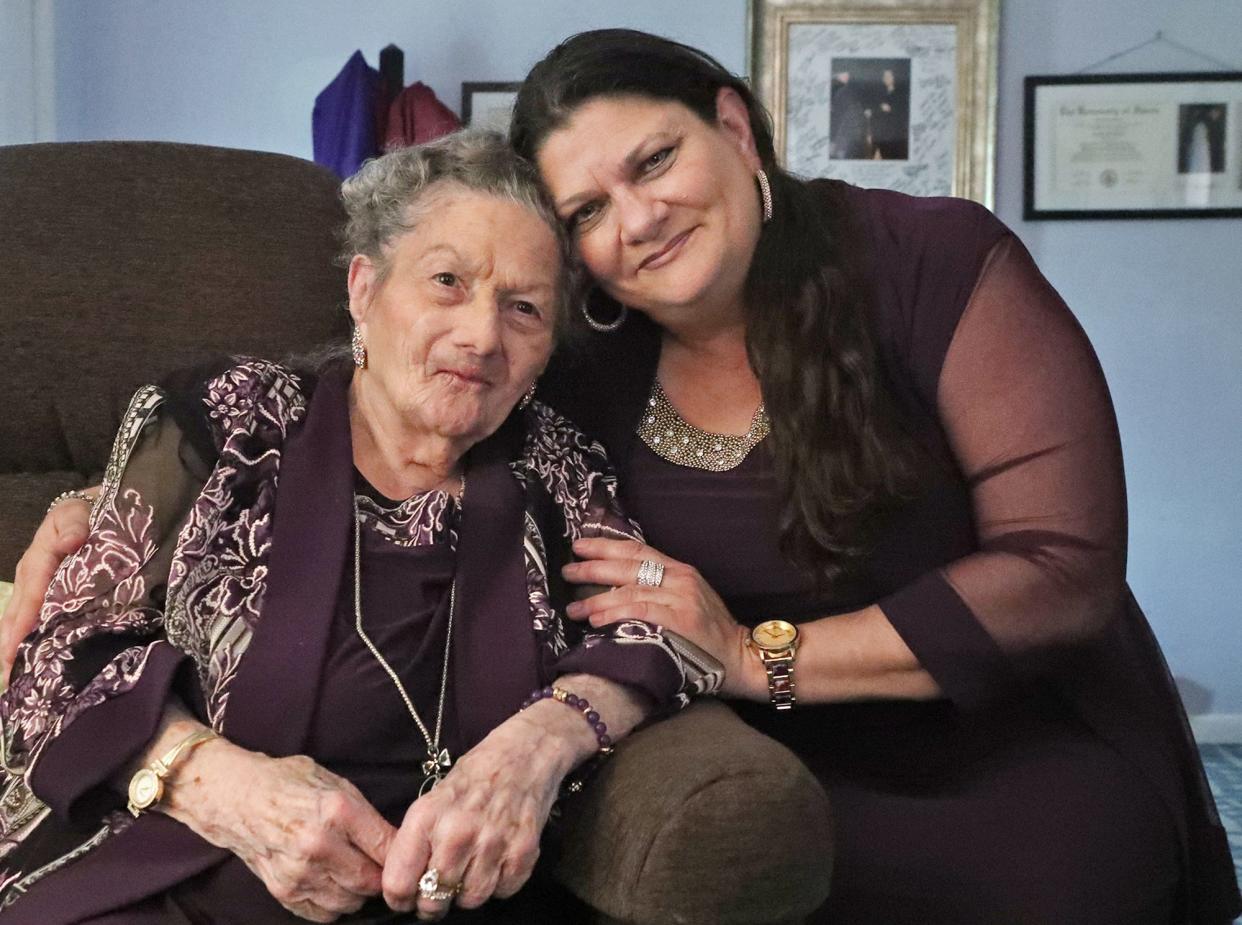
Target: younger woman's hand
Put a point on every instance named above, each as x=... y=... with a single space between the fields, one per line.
x=63 y=531
x=683 y=602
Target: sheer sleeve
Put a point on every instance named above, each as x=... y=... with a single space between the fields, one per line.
x=1027 y=413
x=90 y=683
x=578 y=479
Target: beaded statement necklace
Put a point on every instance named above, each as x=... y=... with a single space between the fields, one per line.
x=671 y=438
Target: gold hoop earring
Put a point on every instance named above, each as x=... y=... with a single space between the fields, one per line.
x=765 y=193
x=358 y=349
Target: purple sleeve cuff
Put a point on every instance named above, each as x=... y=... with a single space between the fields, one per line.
x=949 y=642
x=104 y=739
x=644 y=666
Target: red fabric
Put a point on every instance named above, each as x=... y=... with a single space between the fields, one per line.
x=417 y=116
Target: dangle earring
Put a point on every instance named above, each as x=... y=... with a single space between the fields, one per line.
x=528 y=397
x=601 y=326
x=358 y=348
x=765 y=193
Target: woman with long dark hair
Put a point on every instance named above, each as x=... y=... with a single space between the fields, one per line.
x=879 y=471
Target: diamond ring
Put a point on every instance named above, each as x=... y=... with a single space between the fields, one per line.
x=650 y=573
x=430 y=887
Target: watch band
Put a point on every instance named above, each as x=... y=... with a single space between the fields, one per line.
x=195 y=738
x=146 y=787
x=779 y=667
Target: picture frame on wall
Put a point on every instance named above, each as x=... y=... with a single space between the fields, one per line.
x=899 y=94
x=1133 y=146
x=488 y=104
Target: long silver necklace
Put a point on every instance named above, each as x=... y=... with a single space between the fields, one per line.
x=438 y=760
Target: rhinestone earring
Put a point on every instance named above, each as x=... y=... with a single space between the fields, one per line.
x=528 y=397
x=765 y=193
x=601 y=326
x=358 y=348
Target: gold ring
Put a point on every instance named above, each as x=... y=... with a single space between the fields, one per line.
x=430 y=887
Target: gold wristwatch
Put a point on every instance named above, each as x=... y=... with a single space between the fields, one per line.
x=146 y=787
x=776 y=644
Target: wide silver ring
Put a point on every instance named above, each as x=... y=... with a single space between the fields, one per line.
x=650 y=573
x=429 y=887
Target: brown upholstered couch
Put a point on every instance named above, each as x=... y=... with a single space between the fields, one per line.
x=122 y=261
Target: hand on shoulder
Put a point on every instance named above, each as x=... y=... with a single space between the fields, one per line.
x=62 y=533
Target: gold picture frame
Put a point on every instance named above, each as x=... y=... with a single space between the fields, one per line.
x=921 y=114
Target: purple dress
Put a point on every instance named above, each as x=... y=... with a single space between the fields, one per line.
x=1056 y=781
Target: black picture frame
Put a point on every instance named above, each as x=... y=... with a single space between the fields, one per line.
x=470 y=89
x=1123 y=149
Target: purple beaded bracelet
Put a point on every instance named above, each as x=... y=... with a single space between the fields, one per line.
x=582 y=705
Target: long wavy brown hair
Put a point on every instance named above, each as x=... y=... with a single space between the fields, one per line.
x=841 y=455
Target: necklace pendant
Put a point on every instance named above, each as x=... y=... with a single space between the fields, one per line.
x=434 y=769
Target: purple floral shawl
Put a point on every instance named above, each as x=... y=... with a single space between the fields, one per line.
x=195 y=579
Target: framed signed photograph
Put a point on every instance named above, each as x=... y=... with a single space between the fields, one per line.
x=898 y=94
x=1134 y=146
x=488 y=104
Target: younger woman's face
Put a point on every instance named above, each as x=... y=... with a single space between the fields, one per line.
x=663 y=207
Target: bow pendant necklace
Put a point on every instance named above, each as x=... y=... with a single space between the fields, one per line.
x=438 y=761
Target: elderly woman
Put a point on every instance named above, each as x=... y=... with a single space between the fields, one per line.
x=284 y=673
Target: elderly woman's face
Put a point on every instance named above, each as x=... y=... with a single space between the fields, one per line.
x=663 y=206
x=463 y=323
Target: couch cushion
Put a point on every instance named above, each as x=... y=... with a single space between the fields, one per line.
x=124 y=260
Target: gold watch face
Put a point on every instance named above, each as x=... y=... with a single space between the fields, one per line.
x=145 y=788
x=774 y=634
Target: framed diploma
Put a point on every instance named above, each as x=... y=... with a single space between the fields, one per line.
x=1134 y=146
x=898 y=94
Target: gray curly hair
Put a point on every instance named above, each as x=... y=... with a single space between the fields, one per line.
x=382 y=198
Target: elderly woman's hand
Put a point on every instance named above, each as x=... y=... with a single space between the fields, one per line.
x=683 y=602
x=480 y=827
x=62 y=532
x=309 y=835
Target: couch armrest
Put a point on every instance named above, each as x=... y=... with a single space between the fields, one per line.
x=699 y=819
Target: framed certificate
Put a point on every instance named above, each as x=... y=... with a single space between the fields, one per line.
x=898 y=94
x=1134 y=146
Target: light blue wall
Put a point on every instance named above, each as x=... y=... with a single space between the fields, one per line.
x=17 y=63
x=241 y=73
x=1161 y=300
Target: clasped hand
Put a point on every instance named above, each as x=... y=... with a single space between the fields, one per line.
x=322 y=850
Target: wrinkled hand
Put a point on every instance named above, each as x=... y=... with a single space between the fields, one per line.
x=309 y=835
x=684 y=603
x=62 y=532
x=480 y=826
